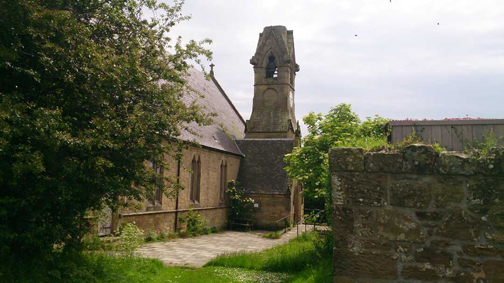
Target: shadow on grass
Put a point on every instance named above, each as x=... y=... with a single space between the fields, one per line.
x=304 y=259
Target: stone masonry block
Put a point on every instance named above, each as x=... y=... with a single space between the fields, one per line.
x=419 y=159
x=365 y=223
x=398 y=226
x=485 y=192
x=482 y=250
x=346 y=159
x=434 y=256
x=427 y=272
x=384 y=162
x=339 y=194
x=363 y=189
x=455 y=163
x=378 y=265
x=409 y=192
x=430 y=215
x=460 y=225
x=494 y=271
x=448 y=189
x=343 y=218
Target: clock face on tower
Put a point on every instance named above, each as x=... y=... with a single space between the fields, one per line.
x=270 y=97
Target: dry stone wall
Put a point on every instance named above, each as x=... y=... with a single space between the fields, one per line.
x=417 y=216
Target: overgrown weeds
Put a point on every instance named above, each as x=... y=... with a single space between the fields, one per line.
x=484 y=148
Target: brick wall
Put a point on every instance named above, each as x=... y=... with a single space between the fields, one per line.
x=416 y=216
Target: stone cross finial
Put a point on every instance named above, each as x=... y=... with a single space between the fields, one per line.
x=211 y=69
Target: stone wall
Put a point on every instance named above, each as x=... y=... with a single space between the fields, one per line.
x=211 y=207
x=416 y=216
x=270 y=208
x=164 y=221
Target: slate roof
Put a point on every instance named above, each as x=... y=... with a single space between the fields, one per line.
x=262 y=169
x=227 y=126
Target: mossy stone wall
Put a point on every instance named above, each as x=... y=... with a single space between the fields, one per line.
x=417 y=216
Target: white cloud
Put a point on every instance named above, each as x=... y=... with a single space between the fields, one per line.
x=401 y=64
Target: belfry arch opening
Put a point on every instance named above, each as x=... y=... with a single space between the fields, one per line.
x=271 y=67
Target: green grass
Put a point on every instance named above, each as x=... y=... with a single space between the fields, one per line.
x=96 y=267
x=273 y=235
x=307 y=258
x=301 y=260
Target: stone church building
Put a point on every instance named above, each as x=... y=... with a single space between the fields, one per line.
x=251 y=152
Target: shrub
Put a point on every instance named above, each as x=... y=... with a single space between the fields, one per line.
x=150 y=236
x=241 y=207
x=131 y=238
x=195 y=224
x=93 y=243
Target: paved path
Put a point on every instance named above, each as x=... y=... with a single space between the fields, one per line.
x=200 y=250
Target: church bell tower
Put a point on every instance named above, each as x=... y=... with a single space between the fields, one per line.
x=273 y=111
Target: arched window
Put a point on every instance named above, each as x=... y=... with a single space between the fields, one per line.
x=271 y=67
x=223 y=181
x=158 y=193
x=195 y=179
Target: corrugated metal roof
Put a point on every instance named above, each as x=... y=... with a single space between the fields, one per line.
x=228 y=124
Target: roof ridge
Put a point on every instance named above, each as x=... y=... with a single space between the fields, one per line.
x=214 y=80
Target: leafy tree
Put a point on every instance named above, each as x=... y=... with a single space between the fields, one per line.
x=341 y=127
x=89 y=90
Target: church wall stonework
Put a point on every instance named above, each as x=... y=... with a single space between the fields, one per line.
x=417 y=216
x=210 y=207
x=271 y=208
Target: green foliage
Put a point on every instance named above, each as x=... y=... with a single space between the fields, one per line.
x=300 y=258
x=314 y=217
x=195 y=224
x=89 y=90
x=152 y=236
x=273 y=235
x=93 y=243
x=131 y=238
x=341 y=127
x=483 y=148
x=300 y=254
x=99 y=267
x=241 y=207
x=414 y=138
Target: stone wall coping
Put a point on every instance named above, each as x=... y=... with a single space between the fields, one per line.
x=170 y=211
x=416 y=159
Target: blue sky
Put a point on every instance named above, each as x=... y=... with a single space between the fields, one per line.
x=402 y=63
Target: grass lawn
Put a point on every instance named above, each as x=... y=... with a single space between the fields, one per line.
x=307 y=258
x=304 y=259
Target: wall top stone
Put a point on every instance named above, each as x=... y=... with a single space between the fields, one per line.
x=346 y=159
x=416 y=159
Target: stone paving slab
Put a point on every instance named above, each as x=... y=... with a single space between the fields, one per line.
x=197 y=251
